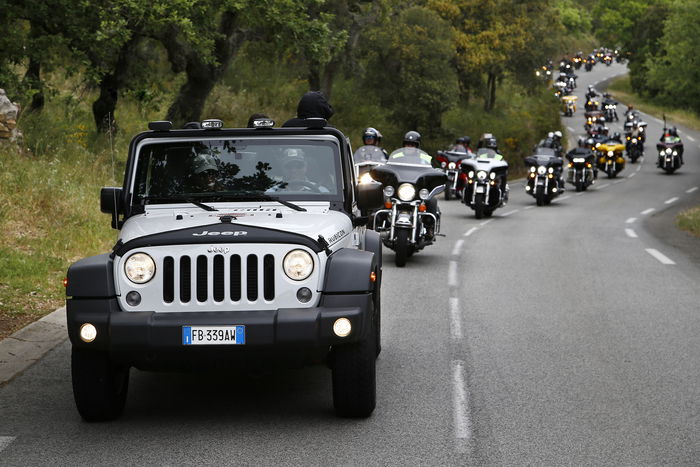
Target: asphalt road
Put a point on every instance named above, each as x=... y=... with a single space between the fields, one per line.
x=565 y=334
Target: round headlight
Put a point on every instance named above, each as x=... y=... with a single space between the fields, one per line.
x=668 y=151
x=533 y=169
x=451 y=165
x=641 y=128
x=661 y=153
x=634 y=140
x=610 y=153
x=675 y=153
x=470 y=174
x=423 y=193
x=443 y=164
x=366 y=178
x=388 y=191
x=139 y=268
x=542 y=170
x=492 y=175
x=406 y=192
x=481 y=175
x=298 y=265
x=550 y=170
x=597 y=145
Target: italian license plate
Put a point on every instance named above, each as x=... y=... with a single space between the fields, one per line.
x=213 y=335
x=480 y=189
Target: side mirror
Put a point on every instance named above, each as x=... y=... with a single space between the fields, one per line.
x=370 y=196
x=111 y=203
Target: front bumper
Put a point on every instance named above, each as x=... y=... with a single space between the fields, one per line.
x=152 y=340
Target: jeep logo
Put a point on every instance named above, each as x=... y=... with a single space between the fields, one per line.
x=234 y=233
x=218 y=249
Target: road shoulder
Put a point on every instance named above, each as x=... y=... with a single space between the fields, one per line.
x=662 y=225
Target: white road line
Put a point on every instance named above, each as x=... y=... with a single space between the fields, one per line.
x=692 y=190
x=460 y=401
x=630 y=220
x=669 y=201
x=632 y=174
x=631 y=233
x=617 y=181
x=690 y=138
x=638 y=168
x=570 y=129
x=485 y=222
x=509 y=213
x=6 y=441
x=455 y=320
x=528 y=207
x=604 y=185
x=452 y=274
x=470 y=231
x=457 y=247
x=647 y=211
x=660 y=256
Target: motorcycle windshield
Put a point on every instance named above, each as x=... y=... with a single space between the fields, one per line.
x=412 y=156
x=420 y=176
x=457 y=154
x=370 y=153
x=543 y=159
x=580 y=153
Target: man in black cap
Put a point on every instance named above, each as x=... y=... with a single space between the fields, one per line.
x=313 y=104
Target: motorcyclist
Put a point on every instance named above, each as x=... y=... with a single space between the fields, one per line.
x=616 y=137
x=412 y=139
x=670 y=136
x=488 y=141
x=591 y=93
x=371 y=137
x=313 y=104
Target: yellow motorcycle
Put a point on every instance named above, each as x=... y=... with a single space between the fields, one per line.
x=568 y=104
x=610 y=158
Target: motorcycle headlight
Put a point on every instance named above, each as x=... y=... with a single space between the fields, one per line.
x=451 y=165
x=578 y=160
x=366 y=178
x=470 y=174
x=641 y=129
x=533 y=169
x=668 y=151
x=139 y=268
x=634 y=140
x=537 y=73
x=542 y=170
x=388 y=191
x=481 y=175
x=492 y=175
x=423 y=193
x=550 y=170
x=661 y=153
x=610 y=153
x=406 y=192
x=597 y=144
x=675 y=153
x=443 y=164
x=298 y=265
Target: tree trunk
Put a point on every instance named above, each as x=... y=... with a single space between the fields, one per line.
x=32 y=79
x=201 y=76
x=110 y=84
x=490 y=98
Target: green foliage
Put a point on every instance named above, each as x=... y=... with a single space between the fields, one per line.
x=575 y=19
x=408 y=68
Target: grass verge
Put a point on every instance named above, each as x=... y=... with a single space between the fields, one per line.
x=689 y=220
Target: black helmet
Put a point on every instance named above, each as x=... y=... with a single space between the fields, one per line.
x=460 y=140
x=488 y=141
x=467 y=140
x=673 y=131
x=412 y=137
x=370 y=133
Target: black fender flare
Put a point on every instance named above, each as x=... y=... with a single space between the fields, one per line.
x=91 y=277
x=348 y=271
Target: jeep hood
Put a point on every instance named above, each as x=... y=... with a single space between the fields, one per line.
x=250 y=223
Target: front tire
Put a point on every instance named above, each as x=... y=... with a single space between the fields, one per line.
x=479 y=206
x=354 y=378
x=402 y=247
x=99 y=386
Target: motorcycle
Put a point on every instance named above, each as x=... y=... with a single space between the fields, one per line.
x=635 y=147
x=449 y=163
x=669 y=156
x=589 y=62
x=591 y=105
x=486 y=188
x=581 y=168
x=610 y=108
x=636 y=128
x=365 y=159
x=569 y=105
x=410 y=186
x=544 y=73
x=543 y=176
x=610 y=158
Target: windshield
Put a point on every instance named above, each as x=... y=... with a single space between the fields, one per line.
x=369 y=153
x=410 y=155
x=245 y=168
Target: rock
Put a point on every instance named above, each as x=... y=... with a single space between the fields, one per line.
x=9 y=111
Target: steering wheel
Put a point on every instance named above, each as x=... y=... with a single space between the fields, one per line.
x=302 y=185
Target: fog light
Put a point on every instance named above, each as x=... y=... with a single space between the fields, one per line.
x=342 y=327
x=133 y=298
x=88 y=332
x=554 y=190
x=527 y=188
x=304 y=294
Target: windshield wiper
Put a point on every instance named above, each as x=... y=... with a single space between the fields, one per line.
x=264 y=197
x=185 y=199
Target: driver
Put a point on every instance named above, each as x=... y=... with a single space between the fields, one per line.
x=205 y=175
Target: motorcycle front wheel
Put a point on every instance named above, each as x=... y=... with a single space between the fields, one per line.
x=402 y=247
x=479 y=206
